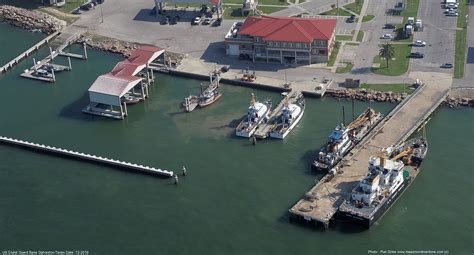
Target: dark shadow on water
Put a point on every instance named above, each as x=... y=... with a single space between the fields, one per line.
x=74 y=111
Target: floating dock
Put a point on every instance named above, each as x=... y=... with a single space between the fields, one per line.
x=320 y=204
x=264 y=129
x=83 y=156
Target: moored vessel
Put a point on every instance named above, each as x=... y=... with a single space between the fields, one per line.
x=257 y=112
x=342 y=139
x=207 y=97
x=389 y=174
x=291 y=114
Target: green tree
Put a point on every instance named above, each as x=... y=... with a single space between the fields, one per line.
x=387 y=51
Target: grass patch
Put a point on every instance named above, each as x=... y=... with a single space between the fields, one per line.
x=360 y=36
x=334 y=53
x=395 y=67
x=69 y=18
x=461 y=37
x=345 y=69
x=399 y=88
x=368 y=18
x=336 y=12
x=268 y=9
x=69 y=6
x=355 y=7
x=352 y=44
x=410 y=11
x=343 y=37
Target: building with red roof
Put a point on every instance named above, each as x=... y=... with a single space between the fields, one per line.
x=111 y=92
x=282 y=39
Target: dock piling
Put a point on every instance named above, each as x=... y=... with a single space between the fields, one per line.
x=69 y=61
x=184 y=171
x=176 y=179
x=54 y=76
x=85 y=50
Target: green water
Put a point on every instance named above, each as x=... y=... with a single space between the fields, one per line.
x=14 y=41
x=235 y=197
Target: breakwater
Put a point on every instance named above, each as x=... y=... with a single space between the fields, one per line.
x=30 y=20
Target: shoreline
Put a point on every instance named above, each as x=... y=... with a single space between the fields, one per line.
x=48 y=24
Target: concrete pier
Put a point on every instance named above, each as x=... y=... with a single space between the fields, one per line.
x=83 y=156
x=26 y=53
x=321 y=202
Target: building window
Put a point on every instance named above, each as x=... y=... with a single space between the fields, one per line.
x=283 y=44
x=322 y=52
x=277 y=44
x=258 y=39
x=291 y=45
x=305 y=45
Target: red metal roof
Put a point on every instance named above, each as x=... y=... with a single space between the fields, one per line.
x=286 y=29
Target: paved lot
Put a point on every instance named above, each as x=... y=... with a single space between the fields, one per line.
x=468 y=79
x=132 y=22
x=439 y=34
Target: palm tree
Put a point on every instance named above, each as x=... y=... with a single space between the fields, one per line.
x=387 y=51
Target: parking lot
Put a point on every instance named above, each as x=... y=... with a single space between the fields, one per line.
x=133 y=22
x=439 y=33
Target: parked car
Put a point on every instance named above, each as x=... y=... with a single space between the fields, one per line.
x=164 y=21
x=416 y=55
x=197 y=20
x=389 y=26
x=387 y=36
x=447 y=65
x=173 y=21
x=77 y=11
x=207 y=21
x=452 y=13
x=419 y=43
x=217 y=22
x=351 y=19
x=451 y=5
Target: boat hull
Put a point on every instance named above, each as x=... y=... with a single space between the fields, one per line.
x=367 y=222
x=204 y=104
x=279 y=135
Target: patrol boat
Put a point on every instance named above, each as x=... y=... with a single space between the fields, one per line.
x=291 y=114
x=256 y=113
x=390 y=173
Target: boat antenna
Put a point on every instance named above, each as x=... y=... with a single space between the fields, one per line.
x=343 y=116
x=201 y=88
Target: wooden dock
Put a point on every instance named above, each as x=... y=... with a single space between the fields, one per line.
x=28 y=52
x=321 y=202
x=265 y=128
x=83 y=156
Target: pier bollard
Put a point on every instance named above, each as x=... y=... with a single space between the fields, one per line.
x=184 y=171
x=176 y=179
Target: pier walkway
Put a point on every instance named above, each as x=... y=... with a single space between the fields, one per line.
x=83 y=156
x=26 y=53
x=266 y=127
x=322 y=201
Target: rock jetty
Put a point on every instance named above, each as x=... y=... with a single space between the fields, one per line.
x=458 y=101
x=109 y=45
x=368 y=95
x=30 y=19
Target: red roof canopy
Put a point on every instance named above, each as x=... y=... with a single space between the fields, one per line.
x=288 y=29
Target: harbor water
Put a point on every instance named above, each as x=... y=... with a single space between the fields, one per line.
x=235 y=197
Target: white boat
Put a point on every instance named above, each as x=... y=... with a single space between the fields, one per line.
x=291 y=114
x=256 y=113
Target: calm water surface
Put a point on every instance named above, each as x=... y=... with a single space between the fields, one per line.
x=235 y=197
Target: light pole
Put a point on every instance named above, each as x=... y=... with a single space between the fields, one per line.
x=101 y=14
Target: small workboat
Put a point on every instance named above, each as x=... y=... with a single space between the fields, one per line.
x=291 y=114
x=256 y=113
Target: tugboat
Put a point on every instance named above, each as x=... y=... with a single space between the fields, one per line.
x=208 y=96
x=342 y=139
x=390 y=173
x=256 y=113
x=291 y=114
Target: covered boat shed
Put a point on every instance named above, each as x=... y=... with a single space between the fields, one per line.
x=125 y=84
